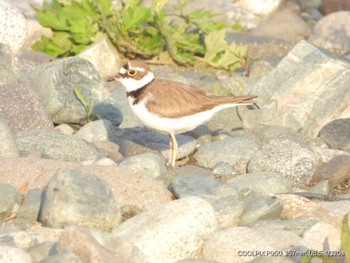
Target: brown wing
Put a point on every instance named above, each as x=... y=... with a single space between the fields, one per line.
x=174 y=99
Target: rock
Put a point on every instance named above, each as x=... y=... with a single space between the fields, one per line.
x=54 y=82
x=336 y=171
x=125 y=183
x=336 y=25
x=261 y=183
x=62 y=257
x=261 y=8
x=259 y=207
x=55 y=145
x=294 y=94
x=7 y=71
x=142 y=142
x=336 y=134
x=104 y=56
x=73 y=197
x=8 y=147
x=202 y=134
x=100 y=130
x=278 y=25
x=294 y=160
x=78 y=240
x=65 y=129
x=22 y=108
x=171 y=231
x=224 y=199
x=336 y=207
x=320 y=188
x=224 y=171
x=10 y=199
x=152 y=164
x=13 y=236
x=331 y=6
x=28 y=60
x=229 y=151
x=193 y=170
x=13 y=255
x=31 y=204
x=13 y=30
x=238 y=244
x=42 y=250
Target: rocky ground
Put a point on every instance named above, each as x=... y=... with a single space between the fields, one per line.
x=252 y=185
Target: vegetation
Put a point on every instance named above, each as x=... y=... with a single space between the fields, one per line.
x=139 y=31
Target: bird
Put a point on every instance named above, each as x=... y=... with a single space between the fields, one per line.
x=168 y=106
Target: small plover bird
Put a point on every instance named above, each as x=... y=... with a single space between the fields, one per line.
x=170 y=107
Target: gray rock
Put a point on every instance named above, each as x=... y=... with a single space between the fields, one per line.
x=141 y=142
x=10 y=199
x=55 y=145
x=227 y=119
x=54 y=82
x=14 y=255
x=8 y=147
x=74 y=197
x=22 y=108
x=294 y=160
x=104 y=56
x=7 y=72
x=259 y=207
x=278 y=25
x=42 y=250
x=335 y=25
x=67 y=257
x=202 y=134
x=237 y=244
x=65 y=129
x=152 y=164
x=336 y=134
x=193 y=170
x=28 y=60
x=30 y=206
x=100 y=130
x=224 y=199
x=229 y=151
x=320 y=188
x=170 y=231
x=262 y=183
x=13 y=29
x=225 y=171
x=294 y=95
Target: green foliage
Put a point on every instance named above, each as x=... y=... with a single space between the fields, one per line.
x=188 y=38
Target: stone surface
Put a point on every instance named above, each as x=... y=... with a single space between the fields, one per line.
x=300 y=92
x=277 y=26
x=7 y=71
x=73 y=197
x=336 y=171
x=152 y=164
x=130 y=188
x=22 y=108
x=331 y=6
x=10 y=200
x=226 y=245
x=171 y=231
x=264 y=8
x=13 y=255
x=54 y=82
x=230 y=151
x=55 y=145
x=12 y=26
x=141 y=142
x=100 y=130
x=8 y=147
x=336 y=134
x=104 y=56
x=294 y=160
x=332 y=32
x=224 y=171
x=31 y=204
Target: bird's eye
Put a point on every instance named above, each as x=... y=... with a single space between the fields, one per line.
x=132 y=72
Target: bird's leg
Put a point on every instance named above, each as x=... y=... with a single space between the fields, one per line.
x=173 y=150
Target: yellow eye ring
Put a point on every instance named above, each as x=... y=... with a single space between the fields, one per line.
x=132 y=72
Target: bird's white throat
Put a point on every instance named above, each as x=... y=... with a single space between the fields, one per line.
x=131 y=84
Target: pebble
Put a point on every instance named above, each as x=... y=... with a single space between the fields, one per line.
x=294 y=160
x=73 y=197
x=230 y=151
x=336 y=134
x=31 y=205
x=99 y=130
x=177 y=229
x=8 y=146
x=13 y=255
x=10 y=200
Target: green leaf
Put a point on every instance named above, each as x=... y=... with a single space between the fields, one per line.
x=58 y=45
x=345 y=237
x=104 y=6
x=201 y=13
x=135 y=16
x=52 y=20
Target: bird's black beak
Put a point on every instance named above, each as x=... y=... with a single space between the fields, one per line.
x=116 y=77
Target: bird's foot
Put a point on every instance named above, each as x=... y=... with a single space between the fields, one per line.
x=170 y=166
